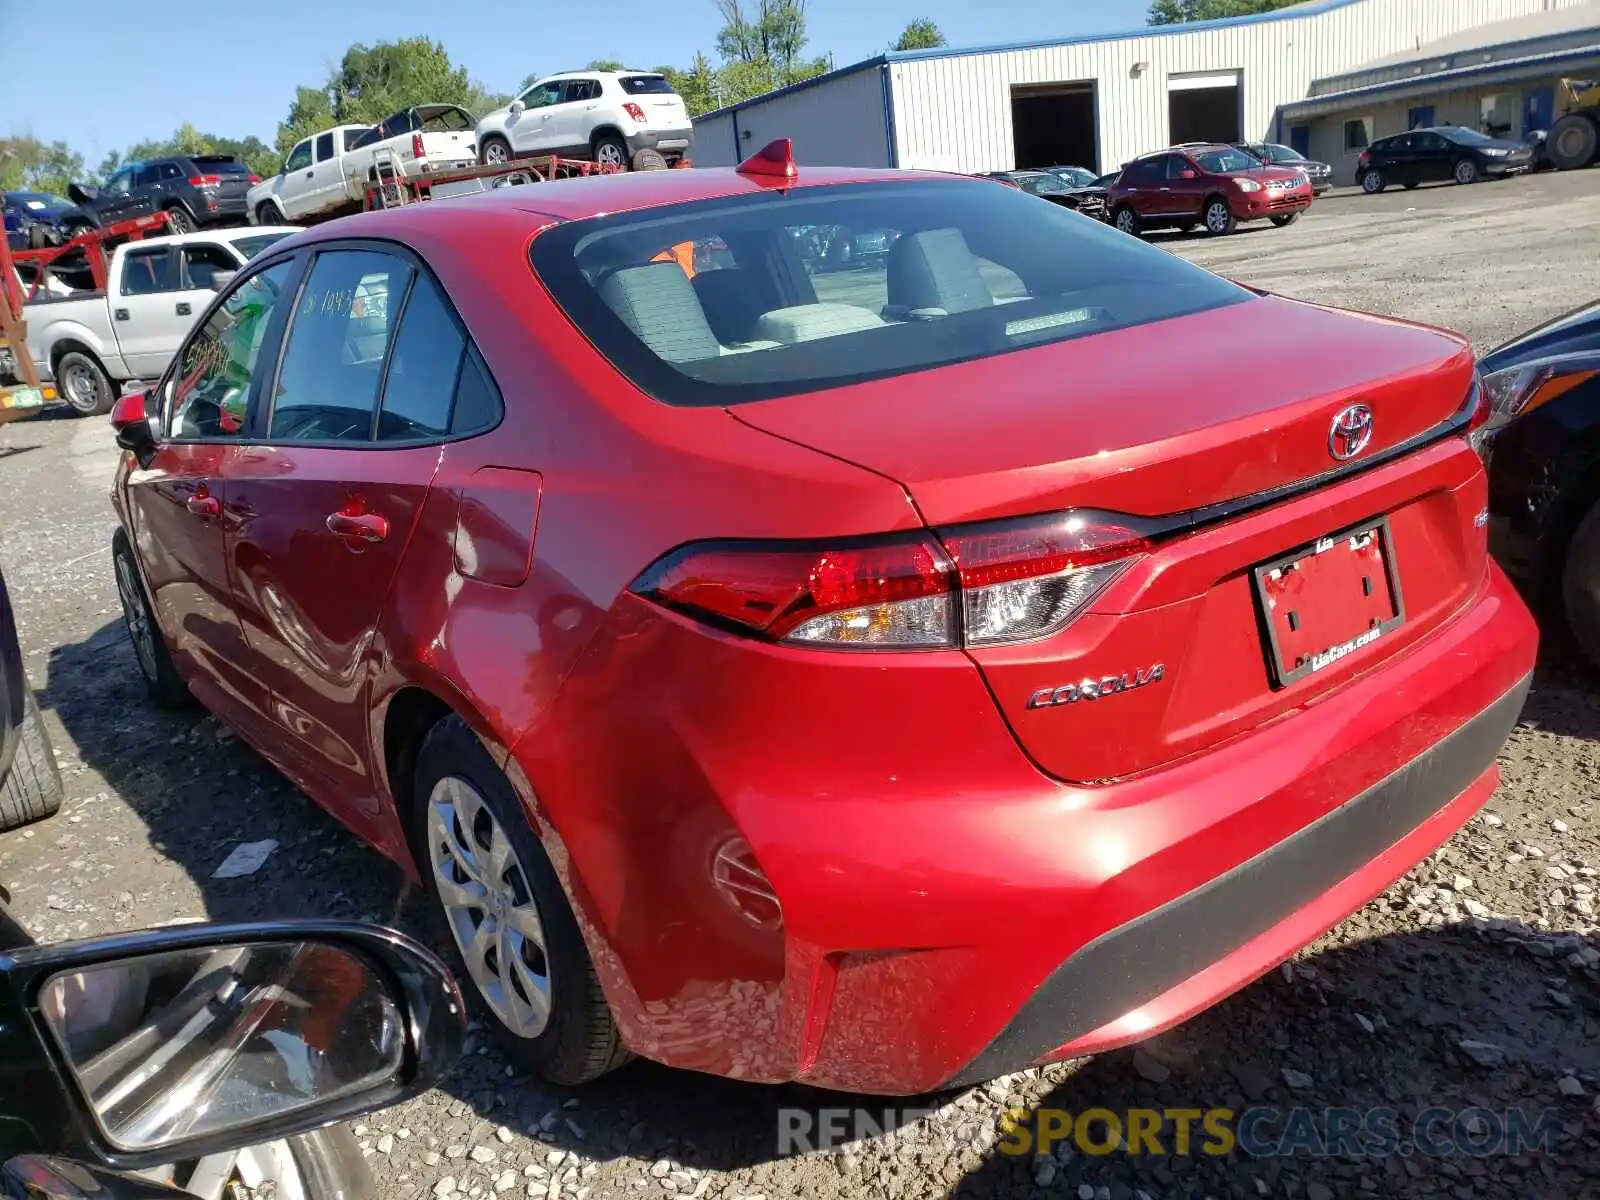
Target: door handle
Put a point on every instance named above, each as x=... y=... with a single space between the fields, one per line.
x=183 y=308
x=204 y=504
x=122 y=314
x=367 y=527
x=309 y=174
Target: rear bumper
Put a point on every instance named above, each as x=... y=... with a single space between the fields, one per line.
x=668 y=141
x=1155 y=971
x=948 y=911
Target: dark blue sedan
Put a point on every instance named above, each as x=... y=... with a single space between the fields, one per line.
x=35 y=219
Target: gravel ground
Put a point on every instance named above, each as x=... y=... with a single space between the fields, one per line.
x=1472 y=983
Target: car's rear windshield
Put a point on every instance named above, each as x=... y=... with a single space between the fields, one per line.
x=646 y=85
x=220 y=164
x=444 y=120
x=744 y=298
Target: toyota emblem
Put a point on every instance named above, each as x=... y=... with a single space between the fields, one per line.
x=1350 y=432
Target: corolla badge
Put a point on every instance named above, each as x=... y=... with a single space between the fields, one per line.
x=1097 y=689
x=1350 y=432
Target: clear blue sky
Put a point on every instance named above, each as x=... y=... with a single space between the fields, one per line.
x=108 y=78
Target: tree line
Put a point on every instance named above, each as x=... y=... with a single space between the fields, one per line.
x=760 y=46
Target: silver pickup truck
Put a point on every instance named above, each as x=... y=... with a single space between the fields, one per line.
x=90 y=342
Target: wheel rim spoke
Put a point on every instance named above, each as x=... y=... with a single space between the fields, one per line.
x=482 y=887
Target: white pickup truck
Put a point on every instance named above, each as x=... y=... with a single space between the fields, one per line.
x=331 y=170
x=90 y=341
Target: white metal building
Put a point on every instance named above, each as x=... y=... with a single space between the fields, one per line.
x=1093 y=101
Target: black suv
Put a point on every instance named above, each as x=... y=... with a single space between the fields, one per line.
x=30 y=784
x=1438 y=155
x=194 y=189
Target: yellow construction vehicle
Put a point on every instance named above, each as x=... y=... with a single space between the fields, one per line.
x=1574 y=140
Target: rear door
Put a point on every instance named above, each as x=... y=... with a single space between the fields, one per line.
x=1142 y=183
x=1186 y=186
x=573 y=117
x=177 y=505
x=327 y=494
x=145 y=305
x=327 y=174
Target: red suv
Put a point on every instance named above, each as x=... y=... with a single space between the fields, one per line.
x=882 y=678
x=1217 y=186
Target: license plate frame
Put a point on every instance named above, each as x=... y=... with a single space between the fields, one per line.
x=1284 y=674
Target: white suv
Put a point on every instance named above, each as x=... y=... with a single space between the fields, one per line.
x=608 y=116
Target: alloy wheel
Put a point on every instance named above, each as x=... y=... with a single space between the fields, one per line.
x=1217 y=217
x=489 y=906
x=1466 y=171
x=179 y=221
x=494 y=153
x=140 y=630
x=269 y=1169
x=1372 y=183
x=1125 y=220
x=609 y=154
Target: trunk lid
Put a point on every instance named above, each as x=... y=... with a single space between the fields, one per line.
x=1160 y=420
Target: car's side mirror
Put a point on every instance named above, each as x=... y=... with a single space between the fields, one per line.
x=1187 y=174
x=221 y=279
x=187 y=1042
x=515 y=107
x=130 y=420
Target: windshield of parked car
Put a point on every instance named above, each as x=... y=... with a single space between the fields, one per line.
x=645 y=85
x=1467 y=137
x=1076 y=176
x=1284 y=154
x=1042 y=185
x=257 y=242
x=748 y=297
x=1219 y=162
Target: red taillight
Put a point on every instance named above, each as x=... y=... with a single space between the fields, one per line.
x=634 y=111
x=204 y=180
x=1363 y=160
x=974 y=585
x=254 y=178
x=416 y=145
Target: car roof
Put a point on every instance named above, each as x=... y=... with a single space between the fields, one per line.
x=234 y=234
x=593 y=74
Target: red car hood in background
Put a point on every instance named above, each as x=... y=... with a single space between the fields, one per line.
x=1150 y=420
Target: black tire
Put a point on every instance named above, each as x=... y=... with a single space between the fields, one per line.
x=268 y=213
x=179 y=220
x=609 y=150
x=1372 y=181
x=1127 y=221
x=1285 y=219
x=31 y=791
x=1409 y=185
x=167 y=689
x=1219 y=217
x=580 y=1041
x=1580 y=586
x=331 y=1165
x=1465 y=171
x=83 y=383
x=1573 y=141
x=500 y=146
x=38 y=236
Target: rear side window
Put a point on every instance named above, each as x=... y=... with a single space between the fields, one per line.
x=646 y=85
x=324 y=147
x=145 y=272
x=327 y=387
x=580 y=89
x=830 y=286
x=202 y=262
x=419 y=385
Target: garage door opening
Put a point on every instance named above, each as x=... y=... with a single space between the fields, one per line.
x=1053 y=125
x=1204 y=108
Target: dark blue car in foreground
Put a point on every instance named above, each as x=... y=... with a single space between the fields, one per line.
x=1543 y=444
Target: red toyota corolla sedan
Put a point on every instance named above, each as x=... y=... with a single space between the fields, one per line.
x=884 y=670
